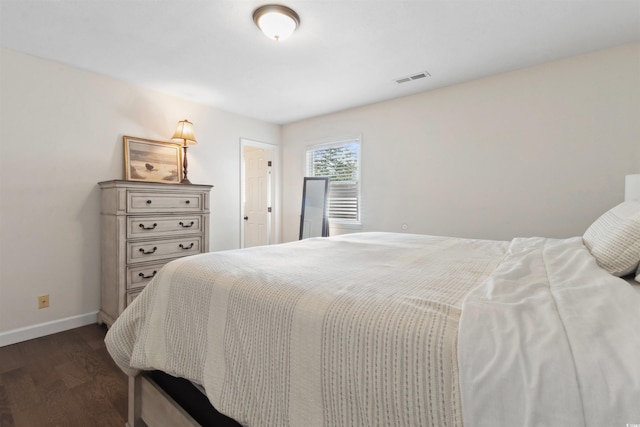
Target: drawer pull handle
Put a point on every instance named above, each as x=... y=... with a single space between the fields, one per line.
x=155 y=224
x=155 y=248
x=149 y=276
x=188 y=201
x=186 y=247
x=148 y=202
x=186 y=226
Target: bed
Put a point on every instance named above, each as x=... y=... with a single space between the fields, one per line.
x=386 y=329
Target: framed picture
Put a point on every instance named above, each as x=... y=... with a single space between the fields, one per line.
x=156 y=161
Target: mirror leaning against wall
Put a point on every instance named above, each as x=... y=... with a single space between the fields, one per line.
x=313 y=217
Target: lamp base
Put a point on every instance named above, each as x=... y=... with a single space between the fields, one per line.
x=185 y=180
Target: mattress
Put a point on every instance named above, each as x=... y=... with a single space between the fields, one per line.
x=393 y=329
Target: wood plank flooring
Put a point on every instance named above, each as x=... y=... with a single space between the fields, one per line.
x=64 y=379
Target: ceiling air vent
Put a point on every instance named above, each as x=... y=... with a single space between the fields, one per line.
x=413 y=77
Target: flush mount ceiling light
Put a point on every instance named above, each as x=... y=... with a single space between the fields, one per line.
x=275 y=21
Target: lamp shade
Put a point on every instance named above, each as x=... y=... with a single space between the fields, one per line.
x=184 y=133
x=276 y=22
x=632 y=187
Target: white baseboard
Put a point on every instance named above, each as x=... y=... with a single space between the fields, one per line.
x=48 y=328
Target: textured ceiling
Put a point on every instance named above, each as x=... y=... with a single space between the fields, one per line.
x=344 y=54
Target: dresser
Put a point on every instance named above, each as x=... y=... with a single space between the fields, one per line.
x=144 y=226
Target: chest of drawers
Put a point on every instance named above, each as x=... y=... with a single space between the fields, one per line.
x=143 y=226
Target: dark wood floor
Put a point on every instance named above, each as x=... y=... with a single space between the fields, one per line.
x=65 y=379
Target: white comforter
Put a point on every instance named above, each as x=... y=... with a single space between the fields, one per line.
x=362 y=330
x=550 y=339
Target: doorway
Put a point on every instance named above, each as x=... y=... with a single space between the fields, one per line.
x=257 y=193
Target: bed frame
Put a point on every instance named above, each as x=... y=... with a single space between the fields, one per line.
x=150 y=405
x=153 y=402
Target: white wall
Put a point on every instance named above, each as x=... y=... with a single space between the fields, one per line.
x=61 y=132
x=542 y=151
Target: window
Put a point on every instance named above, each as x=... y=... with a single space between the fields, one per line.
x=340 y=161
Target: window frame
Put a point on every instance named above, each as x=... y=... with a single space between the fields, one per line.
x=333 y=143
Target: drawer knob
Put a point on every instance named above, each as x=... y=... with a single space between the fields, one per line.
x=155 y=224
x=186 y=247
x=155 y=248
x=149 y=276
x=186 y=226
x=148 y=202
x=188 y=201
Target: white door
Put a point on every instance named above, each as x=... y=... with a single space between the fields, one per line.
x=257 y=196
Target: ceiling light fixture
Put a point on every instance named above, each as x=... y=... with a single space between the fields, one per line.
x=275 y=21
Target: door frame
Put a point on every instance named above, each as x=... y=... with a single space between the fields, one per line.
x=274 y=219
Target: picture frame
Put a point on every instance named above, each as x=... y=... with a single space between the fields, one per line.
x=152 y=161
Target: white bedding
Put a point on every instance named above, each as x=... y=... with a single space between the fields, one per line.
x=550 y=339
x=347 y=331
x=362 y=330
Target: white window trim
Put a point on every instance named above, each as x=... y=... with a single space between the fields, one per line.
x=336 y=142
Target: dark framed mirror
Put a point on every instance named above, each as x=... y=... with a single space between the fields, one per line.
x=313 y=217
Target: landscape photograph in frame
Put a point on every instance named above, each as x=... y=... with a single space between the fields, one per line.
x=154 y=161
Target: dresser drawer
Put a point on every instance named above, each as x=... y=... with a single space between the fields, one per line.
x=132 y=295
x=161 y=226
x=139 y=275
x=153 y=250
x=141 y=202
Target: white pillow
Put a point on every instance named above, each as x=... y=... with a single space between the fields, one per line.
x=638 y=274
x=614 y=239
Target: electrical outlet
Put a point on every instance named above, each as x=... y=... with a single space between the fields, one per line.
x=43 y=301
